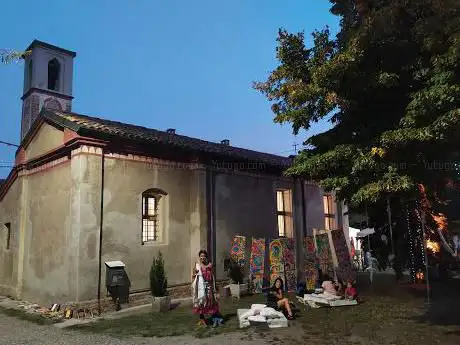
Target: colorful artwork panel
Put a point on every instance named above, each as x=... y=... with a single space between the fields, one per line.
x=276 y=262
x=237 y=252
x=311 y=275
x=257 y=262
x=288 y=258
x=324 y=253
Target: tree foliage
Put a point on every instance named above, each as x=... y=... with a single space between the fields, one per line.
x=8 y=56
x=390 y=84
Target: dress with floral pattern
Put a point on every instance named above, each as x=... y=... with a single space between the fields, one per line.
x=210 y=305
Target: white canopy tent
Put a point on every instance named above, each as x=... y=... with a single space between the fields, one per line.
x=365 y=232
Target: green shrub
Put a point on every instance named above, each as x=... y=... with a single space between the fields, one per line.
x=158 y=279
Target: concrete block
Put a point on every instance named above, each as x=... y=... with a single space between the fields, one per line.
x=243 y=323
x=278 y=323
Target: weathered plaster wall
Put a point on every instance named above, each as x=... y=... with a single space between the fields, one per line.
x=244 y=205
x=85 y=220
x=49 y=268
x=124 y=183
x=9 y=213
x=47 y=139
x=314 y=208
x=182 y=218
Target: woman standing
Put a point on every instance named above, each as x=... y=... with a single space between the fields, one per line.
x=204 y=290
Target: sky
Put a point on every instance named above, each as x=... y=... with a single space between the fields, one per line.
x=187 y=65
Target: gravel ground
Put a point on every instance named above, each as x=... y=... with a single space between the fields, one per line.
x=14 y=331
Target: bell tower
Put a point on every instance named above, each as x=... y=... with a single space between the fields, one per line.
x=48 y=74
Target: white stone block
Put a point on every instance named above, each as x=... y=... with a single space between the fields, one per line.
x=242 y=321
x=278 y=323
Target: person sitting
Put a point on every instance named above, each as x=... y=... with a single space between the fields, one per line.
x=350 y=291
x=281 y=302
x=338 y=287
x=329 y=288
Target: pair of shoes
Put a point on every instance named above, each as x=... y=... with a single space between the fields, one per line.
x=290 y=317
x=217 y=321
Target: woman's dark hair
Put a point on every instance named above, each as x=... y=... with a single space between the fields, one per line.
x=281 y=285
x=202 y=251
x=326 y=277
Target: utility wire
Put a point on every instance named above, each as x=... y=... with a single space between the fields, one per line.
x=8 y=144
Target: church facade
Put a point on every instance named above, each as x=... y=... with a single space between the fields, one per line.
x=86 y=190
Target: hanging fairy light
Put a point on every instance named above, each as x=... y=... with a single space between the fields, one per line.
x=411 y=247
x=420 y=233
x=433 y=246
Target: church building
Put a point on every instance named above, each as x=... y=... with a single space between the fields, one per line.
x=85 y=190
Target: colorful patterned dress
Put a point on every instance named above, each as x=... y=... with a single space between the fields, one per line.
x=210 y=305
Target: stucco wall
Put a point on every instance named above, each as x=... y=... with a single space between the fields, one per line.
x=47 y=139
x=85 y=221
x=314 y=208
x=182 y=219
x=244 y=205
x=49 y=268
x=9 y=213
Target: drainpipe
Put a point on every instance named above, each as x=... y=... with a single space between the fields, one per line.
x=100 y=232
x=211 y=216
x=210 y=207
x=304 y=208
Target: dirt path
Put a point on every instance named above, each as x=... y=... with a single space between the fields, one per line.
x=14 y=331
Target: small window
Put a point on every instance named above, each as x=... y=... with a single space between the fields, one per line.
x=29 y=74
x=151 y=204
x=7 y=229
x=53 y=74
x=329 y=213
x=284 y=213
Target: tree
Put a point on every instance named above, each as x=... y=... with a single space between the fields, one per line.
x=390 y=84
x=8 y=56
x=158 y=279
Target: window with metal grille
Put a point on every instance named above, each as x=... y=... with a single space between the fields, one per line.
x=329 y=212
x=151 y=200
x=284 y=213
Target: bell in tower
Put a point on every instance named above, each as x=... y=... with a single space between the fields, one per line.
x=48 y=74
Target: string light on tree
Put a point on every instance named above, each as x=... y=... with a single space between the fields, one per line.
x=411 y=247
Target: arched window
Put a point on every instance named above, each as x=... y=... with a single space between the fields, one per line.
x=29 y=74
x=53 y=74
x=151 y=204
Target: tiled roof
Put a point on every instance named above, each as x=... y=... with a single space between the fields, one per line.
x=94 y=125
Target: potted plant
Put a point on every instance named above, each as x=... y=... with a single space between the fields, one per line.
x=235 y=273
x=159 y=285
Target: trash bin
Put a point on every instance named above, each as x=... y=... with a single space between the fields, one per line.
x=117 y=282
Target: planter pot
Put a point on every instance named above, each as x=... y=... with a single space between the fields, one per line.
x=161 y=304
x=238 y=290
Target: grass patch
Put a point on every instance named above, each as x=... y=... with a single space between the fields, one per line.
x=180 y=321
x=388 y=315
x=23 y=315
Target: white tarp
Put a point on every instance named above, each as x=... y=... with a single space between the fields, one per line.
x=365 y=232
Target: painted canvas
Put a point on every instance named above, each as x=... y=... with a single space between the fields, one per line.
x=324 y=254
x=288 y=258
x=237 y=251
x=345 y=270
x=256 y=263
x=276 y=261
x=310 y=263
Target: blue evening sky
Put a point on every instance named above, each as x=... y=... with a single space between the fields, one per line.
x=187 y=65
